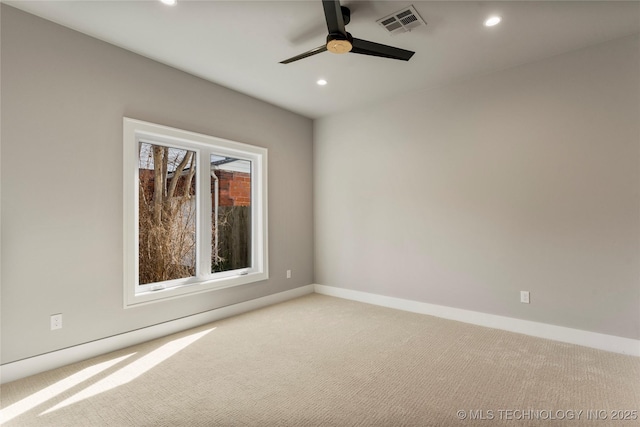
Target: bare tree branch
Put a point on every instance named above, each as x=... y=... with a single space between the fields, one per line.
x=158 y=184
x=178 y=174
x=189 y=180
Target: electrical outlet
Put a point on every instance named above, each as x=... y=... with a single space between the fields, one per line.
x=56 y=321
x=288 y=274
x=524 y=297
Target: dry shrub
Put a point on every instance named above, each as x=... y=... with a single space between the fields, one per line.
x=166 y=218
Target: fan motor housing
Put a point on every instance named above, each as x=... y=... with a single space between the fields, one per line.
x=346 y=14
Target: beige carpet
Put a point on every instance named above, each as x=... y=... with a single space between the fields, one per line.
x=323 y=361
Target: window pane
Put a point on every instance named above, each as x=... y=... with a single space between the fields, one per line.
x=166 y=213
x=231 y=216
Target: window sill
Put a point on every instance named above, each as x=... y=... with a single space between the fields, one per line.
x=193 y=288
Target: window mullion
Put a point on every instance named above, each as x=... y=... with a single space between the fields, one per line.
x=204 y=214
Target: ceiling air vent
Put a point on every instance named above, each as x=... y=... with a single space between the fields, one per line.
x=402 y=21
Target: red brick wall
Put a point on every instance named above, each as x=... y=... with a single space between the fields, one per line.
x=234 y=188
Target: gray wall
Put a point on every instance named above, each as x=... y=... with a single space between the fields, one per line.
x=525 y=179
x=63 y=98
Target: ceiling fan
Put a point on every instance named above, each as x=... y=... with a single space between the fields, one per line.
x=340 y=41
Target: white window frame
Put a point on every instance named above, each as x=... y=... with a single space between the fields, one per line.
x=136 y=131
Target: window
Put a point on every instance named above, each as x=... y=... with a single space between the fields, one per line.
x=195 y=213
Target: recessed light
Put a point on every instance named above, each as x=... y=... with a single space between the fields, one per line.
x=321 y=82
x=492 y=20
x=169 y=2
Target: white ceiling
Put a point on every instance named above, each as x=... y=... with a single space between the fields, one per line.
x=238 y=44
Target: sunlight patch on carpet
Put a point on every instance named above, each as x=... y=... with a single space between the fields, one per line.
x=53 y=390
x=132 y=370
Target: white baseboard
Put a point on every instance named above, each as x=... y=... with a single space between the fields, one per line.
x=33 y=365
x=542 y=330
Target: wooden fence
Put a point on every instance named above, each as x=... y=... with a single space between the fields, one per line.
x=234 y=238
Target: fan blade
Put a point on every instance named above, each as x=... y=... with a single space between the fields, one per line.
x=365 y=47
x=312 y=52
x=333 y=16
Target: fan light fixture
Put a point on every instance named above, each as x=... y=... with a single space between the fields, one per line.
x=492 y=21
x=339 y=46
x=321 y=82
x=169 y=2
